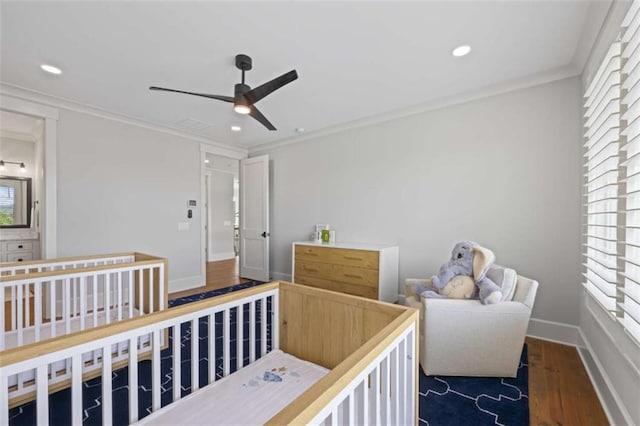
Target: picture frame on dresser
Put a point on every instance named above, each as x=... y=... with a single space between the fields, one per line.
x=361 y=269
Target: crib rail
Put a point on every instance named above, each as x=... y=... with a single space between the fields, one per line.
x=64 y=358
x=64 y=263
x=74 y=294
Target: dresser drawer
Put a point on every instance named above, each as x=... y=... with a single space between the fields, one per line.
x=20 y=246
x=19 y=257
x=348 y=257
x=348 y=288
x=348 y=274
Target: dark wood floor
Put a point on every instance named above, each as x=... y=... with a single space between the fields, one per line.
x=560 y=392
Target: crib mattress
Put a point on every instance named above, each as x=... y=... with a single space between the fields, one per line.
x=250 y=396
x=29 y=333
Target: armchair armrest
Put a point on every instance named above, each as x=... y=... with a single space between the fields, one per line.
x=409 y=283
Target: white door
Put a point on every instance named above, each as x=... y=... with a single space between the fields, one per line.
x=254 y=218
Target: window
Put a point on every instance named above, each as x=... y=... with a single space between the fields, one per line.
x=7 y=205
x=612 y=179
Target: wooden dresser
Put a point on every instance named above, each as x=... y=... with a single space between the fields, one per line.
x=367 y=270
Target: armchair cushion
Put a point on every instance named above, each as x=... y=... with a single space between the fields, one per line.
x=505 y=278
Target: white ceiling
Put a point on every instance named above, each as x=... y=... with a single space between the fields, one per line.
x=354 y=59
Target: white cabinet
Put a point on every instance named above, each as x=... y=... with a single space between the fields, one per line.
x=367 y=270
x=19 y=250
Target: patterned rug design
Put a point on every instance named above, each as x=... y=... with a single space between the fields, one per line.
x=476 y=400
x=443 y=400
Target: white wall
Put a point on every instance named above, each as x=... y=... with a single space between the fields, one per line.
x=123 y=187
x=221 y=235
x=503 y=171
x=612 y=357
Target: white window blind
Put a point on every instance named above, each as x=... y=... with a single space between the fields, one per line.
x=629 y=169
x=602 y=136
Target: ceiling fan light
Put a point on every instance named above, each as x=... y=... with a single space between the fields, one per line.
x=242 y=109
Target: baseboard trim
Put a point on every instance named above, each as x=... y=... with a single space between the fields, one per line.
x=221 y=256
x=552 y=331
x=186 y=283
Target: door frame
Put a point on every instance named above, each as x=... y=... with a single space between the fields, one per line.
x=48 y=238
x=205 y=149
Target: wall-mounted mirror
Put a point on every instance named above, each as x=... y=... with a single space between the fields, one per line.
x=15 y=202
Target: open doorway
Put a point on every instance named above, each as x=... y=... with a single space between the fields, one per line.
x=222 y=221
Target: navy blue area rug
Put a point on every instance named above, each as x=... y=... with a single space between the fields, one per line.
x=462 y=401
x=442 y=400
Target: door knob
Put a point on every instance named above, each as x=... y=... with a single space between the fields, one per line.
x=265 y=234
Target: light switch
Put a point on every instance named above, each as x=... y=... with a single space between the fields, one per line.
x=183 y=226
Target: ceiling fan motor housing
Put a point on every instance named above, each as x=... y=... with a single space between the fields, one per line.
x=243 y=62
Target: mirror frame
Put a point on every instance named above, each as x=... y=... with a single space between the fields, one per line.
x=29 y=202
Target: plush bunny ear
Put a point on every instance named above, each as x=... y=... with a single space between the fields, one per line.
x=483 y=258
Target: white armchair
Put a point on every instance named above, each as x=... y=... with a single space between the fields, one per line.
x=460 y=337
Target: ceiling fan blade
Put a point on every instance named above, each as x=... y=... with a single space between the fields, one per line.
x=255 y=113
x=204 y=95
x=254 y=95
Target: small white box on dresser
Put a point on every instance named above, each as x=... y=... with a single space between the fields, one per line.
x=360 y=269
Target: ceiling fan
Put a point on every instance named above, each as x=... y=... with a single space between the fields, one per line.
x=245 y=98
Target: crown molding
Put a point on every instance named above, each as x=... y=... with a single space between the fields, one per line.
x=555 y=74
x=58 y=102
x=9 y=134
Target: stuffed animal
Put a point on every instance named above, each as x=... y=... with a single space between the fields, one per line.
x=466 y=270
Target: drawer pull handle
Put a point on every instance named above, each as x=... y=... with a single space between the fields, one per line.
x=20 y=246
x=352 y=258
x=311 y=253
x=20 y=260
x=354 y=276
x=310 y=269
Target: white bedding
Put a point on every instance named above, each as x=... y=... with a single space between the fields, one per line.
x=244 y=397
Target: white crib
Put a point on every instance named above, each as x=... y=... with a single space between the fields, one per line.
x=368 y=347
x=46 y=299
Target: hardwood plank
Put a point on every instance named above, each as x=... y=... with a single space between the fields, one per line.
x=560 y=392
x=220 y=274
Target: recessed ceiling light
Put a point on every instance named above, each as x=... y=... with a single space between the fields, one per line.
x=461 y=50
x=51 y=69
x=236 y=128
x=299 y=129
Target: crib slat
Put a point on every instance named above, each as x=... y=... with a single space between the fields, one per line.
x=133 y=379
x=150 y=290
x=334 y=416
x=365 y=403
x=83 y=301
x=95 y=300
x=76 y=389
x=27 y=305
x=52 y=304
x=161 y=286
x=375 y=393
x=140 y=292
x=13 y=308
x=37 y=295
x=263 y=326
x=275 y=327
x=19 y=301
x=42 y=395
x=239 y=337
x=195 y=356
x=4 y=385
x=395 y=401
x=67 y=304
x=130 y=294
x=119 y=291
x=226 y=343
x=155 y=375
x=252 y=331
x=385 y=377
x=212 y=348
x=177 y=376
x=107 y=400
x=410 y=377
x=107 y=298
x=351 y=409
x=402 y=359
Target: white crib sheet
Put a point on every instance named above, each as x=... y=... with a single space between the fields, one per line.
x=244 y=397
